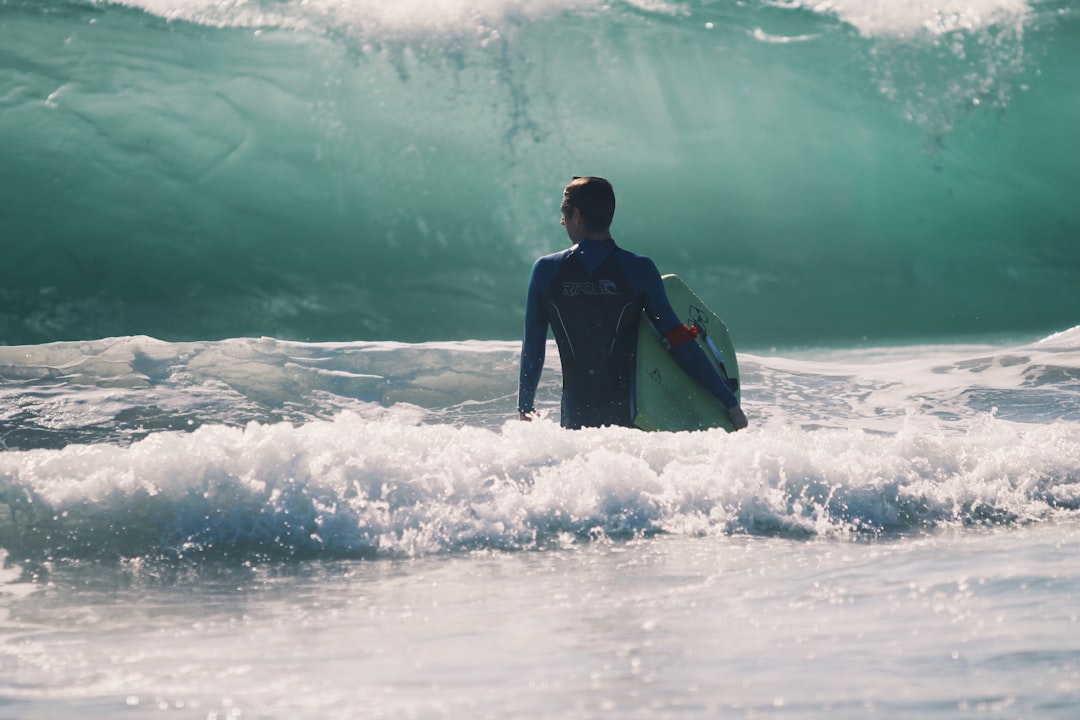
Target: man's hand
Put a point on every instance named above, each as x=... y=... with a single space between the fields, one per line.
x=738 y=417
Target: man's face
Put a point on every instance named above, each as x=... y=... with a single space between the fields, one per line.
x=571 y=220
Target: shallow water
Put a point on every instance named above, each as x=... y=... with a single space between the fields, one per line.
x=974 y=623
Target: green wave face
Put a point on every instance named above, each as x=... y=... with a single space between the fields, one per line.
x=335 y=171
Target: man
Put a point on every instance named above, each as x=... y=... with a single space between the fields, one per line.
x=591 y=296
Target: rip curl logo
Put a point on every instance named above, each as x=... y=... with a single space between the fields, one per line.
x=601 y=287
x=697 y=318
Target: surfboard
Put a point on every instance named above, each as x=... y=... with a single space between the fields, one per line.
x=667 y=397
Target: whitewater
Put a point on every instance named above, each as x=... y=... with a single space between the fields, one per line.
x=262 y=273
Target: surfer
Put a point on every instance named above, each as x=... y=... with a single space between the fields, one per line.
x=591 y=296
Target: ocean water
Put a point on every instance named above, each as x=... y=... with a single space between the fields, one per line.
x=272 y=529
x=262 y=269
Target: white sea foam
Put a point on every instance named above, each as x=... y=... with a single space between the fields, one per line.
x=385 y=482
x=885 y=18
x=390 y=448
x=388 y=16
x=877 y=18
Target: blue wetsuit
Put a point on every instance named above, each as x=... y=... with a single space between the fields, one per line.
x=591 y=296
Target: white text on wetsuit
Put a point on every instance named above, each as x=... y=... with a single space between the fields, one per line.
x=603 y=287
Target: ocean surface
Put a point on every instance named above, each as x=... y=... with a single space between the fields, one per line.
x=262 y=272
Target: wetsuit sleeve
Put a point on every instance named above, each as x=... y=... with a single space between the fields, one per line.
x=689 y=355
x=534 y=343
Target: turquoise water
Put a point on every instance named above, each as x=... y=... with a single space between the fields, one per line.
x=333 y=170
x=261 y=284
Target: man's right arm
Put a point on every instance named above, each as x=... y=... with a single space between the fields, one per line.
x=534 y=342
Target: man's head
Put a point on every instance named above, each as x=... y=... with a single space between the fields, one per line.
x=594 y=198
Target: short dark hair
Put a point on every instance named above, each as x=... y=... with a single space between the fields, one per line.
x=595 y=198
